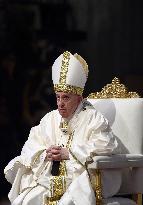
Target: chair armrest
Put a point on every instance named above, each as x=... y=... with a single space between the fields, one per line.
x=114 y=170
x=116 y=161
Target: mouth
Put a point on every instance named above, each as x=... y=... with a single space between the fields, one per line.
x=62 y=110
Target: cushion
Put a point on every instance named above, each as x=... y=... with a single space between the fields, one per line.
x=117 y=161
x=125 y=116
x=132 y=181
x=118 y=201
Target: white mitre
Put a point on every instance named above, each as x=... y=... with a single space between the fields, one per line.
x=69 y=73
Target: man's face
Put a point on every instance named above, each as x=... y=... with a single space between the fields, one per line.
x=67 y=103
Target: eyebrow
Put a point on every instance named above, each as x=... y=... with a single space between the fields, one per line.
x=66 y=95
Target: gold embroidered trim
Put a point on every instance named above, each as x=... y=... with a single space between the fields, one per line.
x=57 y=189
x=95 y=179
x=37 y=157
x=68 y=89
x=62 y=168
x=58 y=183
x=70 y=140
x=51 y=203
x=114 y=90
x=64 y=67
x=63 y=125
x=62 y=86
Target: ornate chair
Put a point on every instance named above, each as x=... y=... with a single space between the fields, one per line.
x=124 y=110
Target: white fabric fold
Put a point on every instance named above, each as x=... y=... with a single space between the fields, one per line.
x=31 y=171
x=80 y=191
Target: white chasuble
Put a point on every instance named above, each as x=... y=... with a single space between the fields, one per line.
x=87 y=134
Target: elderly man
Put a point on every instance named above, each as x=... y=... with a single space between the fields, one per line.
x=52 y=166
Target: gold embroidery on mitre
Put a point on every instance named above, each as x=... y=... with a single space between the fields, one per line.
x=64 y=67
x=62 y=86
x=68 y=89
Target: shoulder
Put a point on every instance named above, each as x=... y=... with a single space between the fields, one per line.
x=46 y=123
x=92 y=115
x=49 y=116
x=89 y=109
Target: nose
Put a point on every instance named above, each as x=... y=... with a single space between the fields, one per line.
x=60 y=103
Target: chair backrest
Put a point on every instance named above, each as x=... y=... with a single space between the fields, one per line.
x=124 y=111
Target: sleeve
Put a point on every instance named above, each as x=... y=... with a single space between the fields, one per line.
x=33 y=147
x=31 y=151
x=101 y=140
x=32 y=155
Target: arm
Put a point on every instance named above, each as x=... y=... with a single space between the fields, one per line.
x=57 y=153
x=34 y=147
x=33 y=152
x=100 y=140
x=30 y=152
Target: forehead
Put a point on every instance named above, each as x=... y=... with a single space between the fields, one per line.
x=62 y=94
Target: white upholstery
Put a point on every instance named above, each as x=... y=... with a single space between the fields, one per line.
x=125 y=117
x=117 y=161
x=132 y=181
x=118 y=201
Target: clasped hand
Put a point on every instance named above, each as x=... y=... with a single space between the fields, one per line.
x=57 y=153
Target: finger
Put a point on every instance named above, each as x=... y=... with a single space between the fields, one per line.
x=49 y=154
x=49 y=158
x=49 y=148
x=56 y=147
x=48 y=151
x=56 y=157
x=64 y=153
x=55 y=151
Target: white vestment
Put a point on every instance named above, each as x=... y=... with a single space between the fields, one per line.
x=30 y=173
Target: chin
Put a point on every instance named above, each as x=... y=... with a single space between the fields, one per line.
x=64 y=115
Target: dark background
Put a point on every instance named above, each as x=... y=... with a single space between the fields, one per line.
x=108 y=34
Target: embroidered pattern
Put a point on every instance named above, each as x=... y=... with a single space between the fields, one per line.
x=64 y=67
x=58 y=183
x=62 y=86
